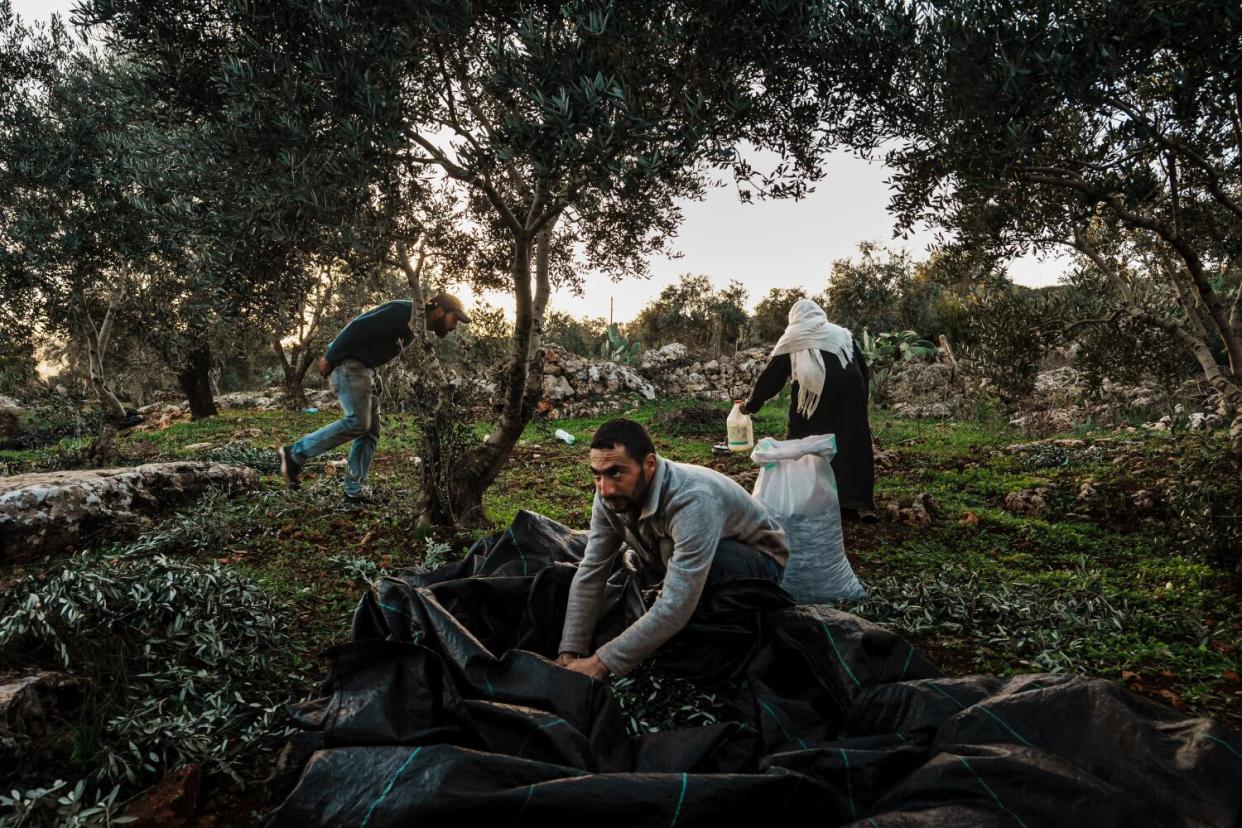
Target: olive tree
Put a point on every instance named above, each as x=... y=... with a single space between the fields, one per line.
x=559 y=126
x=1111 y=130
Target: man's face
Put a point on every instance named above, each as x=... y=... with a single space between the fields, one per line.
x=620 y=480
x=443 y=322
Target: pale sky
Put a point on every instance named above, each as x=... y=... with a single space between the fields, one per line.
x=763 y=245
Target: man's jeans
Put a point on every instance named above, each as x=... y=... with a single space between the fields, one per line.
x=358 y=389
x=735 y=560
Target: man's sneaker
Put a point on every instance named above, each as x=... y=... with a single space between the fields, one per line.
x=290 y=468
x=359 y=497
x=356 y=502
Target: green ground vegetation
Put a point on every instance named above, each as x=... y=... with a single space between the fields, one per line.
x=1145 y=596
x=1113 y=593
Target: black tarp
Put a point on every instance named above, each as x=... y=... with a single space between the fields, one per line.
x=446 y=710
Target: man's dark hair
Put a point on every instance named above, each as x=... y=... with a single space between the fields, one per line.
x=627 y=433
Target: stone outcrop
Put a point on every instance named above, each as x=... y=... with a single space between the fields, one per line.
x=676 y=372
x=269 y=399
x=920 y=514
x=1028 y=502
x=12 y=417
x=580 y=386
x=32 y=702
x=574 y=385
x=928 y=390
x=1061 y=400
x=42 y=513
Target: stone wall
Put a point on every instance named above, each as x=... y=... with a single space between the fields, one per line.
x=579 y=386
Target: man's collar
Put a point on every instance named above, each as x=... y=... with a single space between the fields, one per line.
x=654 y=490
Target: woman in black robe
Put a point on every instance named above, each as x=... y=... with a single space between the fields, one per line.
x=840 y=409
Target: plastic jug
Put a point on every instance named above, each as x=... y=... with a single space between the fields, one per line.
x=741 y=431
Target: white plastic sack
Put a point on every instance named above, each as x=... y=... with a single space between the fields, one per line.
x=799 y=490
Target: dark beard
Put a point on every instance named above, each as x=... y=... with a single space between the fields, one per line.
x=437 y=326
x=635 y=500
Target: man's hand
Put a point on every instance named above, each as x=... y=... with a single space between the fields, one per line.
x=324 y=366
x=565 y=658
x=590 y=666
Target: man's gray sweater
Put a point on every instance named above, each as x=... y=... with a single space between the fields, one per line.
x=687 y=512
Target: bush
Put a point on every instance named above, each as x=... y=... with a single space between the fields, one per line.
x=17 y=365
x=578 y=336
x=186 y=664
x=51 y=417
x=887 y=290
x=1120 y=349
x=1207 y=501
x=883 y=352
x=694 y=313
x=616 y=348
x=771 y=315
x=1013 y=329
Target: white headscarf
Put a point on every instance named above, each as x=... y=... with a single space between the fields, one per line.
x=808 y=333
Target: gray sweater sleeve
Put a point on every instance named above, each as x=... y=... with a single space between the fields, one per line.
x=695 y=529
x=587 y=590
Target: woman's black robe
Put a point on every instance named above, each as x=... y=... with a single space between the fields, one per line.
x=842 y=411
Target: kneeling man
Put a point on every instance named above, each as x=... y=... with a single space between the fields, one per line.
x=695 y=525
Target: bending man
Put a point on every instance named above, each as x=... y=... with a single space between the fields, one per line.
x=692 y=525
x=370 y=340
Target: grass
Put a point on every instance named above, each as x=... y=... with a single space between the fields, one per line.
x=981 y=590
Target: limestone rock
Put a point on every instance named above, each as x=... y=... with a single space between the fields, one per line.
x=323 y=399
x=247 y=399
x=927 y=390
x=672 y=354
x=593 y=386
x=1061 y=399
x=1028 y=502
x=556 y=388
x=12 y=421
x=1143 y=501
x=1089 y=497
x=30 y=702
x=920 y=514
x=43 y=512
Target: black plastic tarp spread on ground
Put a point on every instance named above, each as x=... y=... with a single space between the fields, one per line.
x=446 y=710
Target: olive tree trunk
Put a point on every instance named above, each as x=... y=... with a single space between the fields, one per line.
x=194 y=377
x=457 y=470
x=96 y=347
